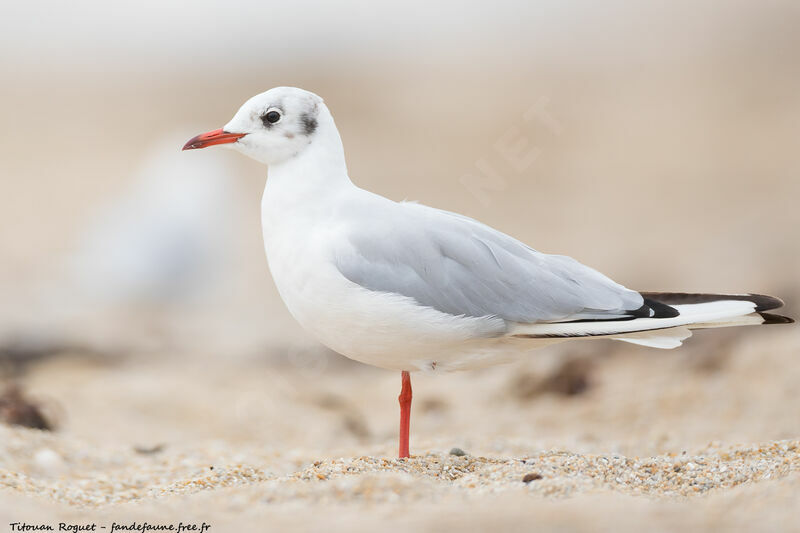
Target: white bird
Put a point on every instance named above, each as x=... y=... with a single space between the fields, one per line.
x=407 y=287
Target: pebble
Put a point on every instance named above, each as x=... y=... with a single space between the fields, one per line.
x=48 y=462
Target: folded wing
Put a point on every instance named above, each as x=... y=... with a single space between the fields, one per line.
x=461 y=267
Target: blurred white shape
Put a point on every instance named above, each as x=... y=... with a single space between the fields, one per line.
x=166 y=265
x=48 y=462
x=165 y=240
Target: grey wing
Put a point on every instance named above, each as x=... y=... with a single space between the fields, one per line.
x=461 y=267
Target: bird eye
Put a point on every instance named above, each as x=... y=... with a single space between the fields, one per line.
x=271 y=117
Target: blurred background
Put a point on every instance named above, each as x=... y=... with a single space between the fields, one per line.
x=657 y=142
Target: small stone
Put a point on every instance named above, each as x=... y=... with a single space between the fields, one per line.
x=458 y=452
x=48 y=461
x=149 y=450
x=535 y=476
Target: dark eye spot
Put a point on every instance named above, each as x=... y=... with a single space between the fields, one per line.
x=271 y=117
x=309 y=124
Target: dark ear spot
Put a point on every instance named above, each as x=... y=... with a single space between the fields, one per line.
x=309 y=124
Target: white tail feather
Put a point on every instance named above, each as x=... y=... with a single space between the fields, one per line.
x=665 y=339
x=654 y=332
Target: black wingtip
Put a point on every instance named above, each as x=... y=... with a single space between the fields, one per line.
x=660 y=309
x=764 y=302
x=761 y=301
x=770 y=318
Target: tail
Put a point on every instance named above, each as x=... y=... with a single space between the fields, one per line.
x=679 y=314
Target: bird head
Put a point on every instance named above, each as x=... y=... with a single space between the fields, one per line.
x=270 y=127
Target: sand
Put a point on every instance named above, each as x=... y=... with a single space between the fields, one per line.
x=268 y=445
x=232 y=490
x=77 y=474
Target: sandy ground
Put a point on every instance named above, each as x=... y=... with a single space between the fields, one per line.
x=618 y=436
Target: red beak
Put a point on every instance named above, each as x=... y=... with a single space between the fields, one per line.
x=211 y=138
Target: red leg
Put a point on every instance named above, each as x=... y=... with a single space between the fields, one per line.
x=405 y=413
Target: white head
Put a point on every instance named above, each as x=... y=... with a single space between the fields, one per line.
x=274 y=126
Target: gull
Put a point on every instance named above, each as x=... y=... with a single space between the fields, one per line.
x=407 y=287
